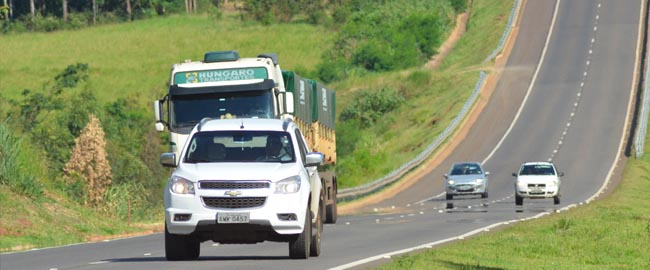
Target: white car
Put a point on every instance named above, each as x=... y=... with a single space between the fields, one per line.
x=243 y=181
x=537 y=180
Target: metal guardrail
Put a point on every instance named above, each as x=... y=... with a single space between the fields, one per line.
x=369 y=188
x=641 y=130
x=506 y=33
x=642 y=121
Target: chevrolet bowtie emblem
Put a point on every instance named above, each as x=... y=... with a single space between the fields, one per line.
x=233 y=193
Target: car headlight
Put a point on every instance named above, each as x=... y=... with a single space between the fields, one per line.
x=451 y=182
x=479 y=181
x=288 y=185
x=180 y=185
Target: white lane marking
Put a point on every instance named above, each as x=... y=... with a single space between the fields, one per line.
x=99 y=262
x=629 y=107
x=530 y=87
x=431 y=198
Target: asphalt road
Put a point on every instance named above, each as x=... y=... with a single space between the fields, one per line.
x=567 y=102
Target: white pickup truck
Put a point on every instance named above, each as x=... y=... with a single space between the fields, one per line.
x=243 y=181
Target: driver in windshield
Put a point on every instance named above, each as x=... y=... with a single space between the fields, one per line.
x=274 y=150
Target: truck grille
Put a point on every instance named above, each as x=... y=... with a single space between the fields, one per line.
x=231 y=203
x=210 y=184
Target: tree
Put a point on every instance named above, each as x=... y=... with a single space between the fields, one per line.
x=89 y=163
x=94 y=12
x=64 y=4
x=128 y=9
x=32 y=8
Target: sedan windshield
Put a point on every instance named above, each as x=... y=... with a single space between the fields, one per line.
x=537 y=170
x=465 y=169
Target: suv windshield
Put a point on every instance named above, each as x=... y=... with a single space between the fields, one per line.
x=537 y=169
x=238 y=146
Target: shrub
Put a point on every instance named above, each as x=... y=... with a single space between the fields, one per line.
x=368 y=106
x=88 y=162
x=17 y=165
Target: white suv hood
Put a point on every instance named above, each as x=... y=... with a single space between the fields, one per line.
x=237 y=171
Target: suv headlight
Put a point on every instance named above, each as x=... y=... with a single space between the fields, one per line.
x=180 y=185
x=288 y=185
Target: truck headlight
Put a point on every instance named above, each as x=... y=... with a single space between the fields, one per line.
x=180 y=185
x=288 y=185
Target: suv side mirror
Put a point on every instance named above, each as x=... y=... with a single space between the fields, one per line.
x=314 y=159
x=168 y=159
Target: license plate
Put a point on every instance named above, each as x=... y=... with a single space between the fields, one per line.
x=536 y=191
x=233 y=217
x=465 y=187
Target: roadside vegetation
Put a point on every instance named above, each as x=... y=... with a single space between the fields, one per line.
x=54 y=83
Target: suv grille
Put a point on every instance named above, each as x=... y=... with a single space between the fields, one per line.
x=233 y=184
x=225 y=202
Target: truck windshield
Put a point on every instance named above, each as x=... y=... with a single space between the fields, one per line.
x=187 y=110
x=240 y=146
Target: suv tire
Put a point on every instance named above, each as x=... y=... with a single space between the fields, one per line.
x=181 y=247
x=299 y=246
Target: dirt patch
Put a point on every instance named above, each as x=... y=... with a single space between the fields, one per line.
x=450 y=43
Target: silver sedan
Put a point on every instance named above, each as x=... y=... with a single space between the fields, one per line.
x=466 y=178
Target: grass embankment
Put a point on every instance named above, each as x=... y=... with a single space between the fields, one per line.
x=611 y=233
x=130 y=60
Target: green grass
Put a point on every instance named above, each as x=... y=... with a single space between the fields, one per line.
x=56 y=221
x=135 y=58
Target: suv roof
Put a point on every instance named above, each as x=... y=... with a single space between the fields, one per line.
x=208 y=124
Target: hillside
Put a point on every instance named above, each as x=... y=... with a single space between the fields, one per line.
x=127 y=68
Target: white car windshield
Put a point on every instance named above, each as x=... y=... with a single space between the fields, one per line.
x=537 y=169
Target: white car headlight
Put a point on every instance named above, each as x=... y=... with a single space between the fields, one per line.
x=479 y=181
x=180 y=185
x=451 y=182
x=289 y=185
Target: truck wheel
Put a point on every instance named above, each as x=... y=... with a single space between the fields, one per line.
x=317 y=229
x=519 y=200
x=181 y=247
x=556 y=199
x=299 y=245
x=331 y=213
